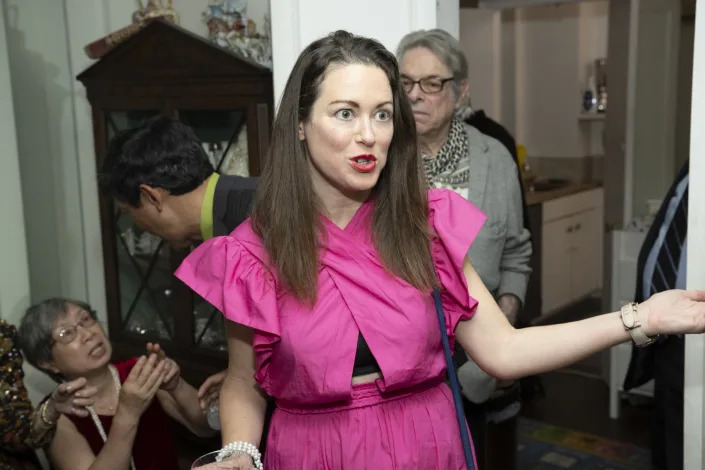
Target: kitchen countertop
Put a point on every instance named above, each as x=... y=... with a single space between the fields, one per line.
x=539 y=197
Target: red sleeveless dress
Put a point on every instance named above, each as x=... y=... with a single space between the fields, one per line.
x=154 y=447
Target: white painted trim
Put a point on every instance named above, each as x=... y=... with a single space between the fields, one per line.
x=694 y=396
x=631 y=106
x=286 y=41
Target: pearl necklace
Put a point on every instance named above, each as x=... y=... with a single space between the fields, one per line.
x=96 y=420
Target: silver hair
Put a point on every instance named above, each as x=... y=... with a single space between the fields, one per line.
x=441 y=43
x=34 y=334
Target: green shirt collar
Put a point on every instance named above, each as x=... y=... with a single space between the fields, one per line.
x=207 y=208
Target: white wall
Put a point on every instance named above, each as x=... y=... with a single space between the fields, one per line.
x=528 y=69
x=14 y=272
x=41 y=80
x=592 y=34
x=547 y=81
x=447 y=17
x=55 y=141
x=14 y=268
x=593 y=37
x=481 y=41
x=296 y=23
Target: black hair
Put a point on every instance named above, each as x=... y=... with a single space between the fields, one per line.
x=161 y=153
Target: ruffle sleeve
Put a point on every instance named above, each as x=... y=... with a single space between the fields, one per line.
x=233 y=280
x=456 y=223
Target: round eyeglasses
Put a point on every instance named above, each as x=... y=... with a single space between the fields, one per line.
x=68 y=333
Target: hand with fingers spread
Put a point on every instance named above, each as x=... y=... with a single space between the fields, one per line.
x=70 y=398
x=209 y=391
x=173 y=371
x=141 y=385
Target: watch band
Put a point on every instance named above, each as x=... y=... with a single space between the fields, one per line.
x=630 y=319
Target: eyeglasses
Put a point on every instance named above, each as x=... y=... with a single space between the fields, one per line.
x=428 y=85
x=69 y=333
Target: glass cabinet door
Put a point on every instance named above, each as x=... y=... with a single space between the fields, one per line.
x=223 y=134
x=208 y=326
x=145 y=273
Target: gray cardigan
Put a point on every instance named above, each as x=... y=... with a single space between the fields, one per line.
x=502 y=250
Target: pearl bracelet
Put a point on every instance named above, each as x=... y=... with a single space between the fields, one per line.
x=239 y=448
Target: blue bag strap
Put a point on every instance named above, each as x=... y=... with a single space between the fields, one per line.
x=454 y=384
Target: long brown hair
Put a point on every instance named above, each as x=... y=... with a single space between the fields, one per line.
x=286 y=213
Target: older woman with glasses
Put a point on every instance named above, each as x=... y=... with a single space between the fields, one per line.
x=127 y=426
x=456 y=156
x=25 y=428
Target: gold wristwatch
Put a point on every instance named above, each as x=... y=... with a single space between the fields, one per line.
x=630 y=319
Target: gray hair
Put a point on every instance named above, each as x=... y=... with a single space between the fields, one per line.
x=34 y=334
x=445 y=46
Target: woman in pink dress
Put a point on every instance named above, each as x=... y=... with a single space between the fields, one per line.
x=327 y=288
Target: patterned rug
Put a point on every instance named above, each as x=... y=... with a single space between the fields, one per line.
x=546 y=447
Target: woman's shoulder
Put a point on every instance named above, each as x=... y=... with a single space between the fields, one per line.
x=454 y=218
x=245 y=232
x=236 y=254
x=232 y=273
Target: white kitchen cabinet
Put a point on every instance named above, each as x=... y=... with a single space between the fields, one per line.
x=587 y=254
x=571 y=249
x=556 y=268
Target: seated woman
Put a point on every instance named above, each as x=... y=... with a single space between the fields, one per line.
x=127 y=427
x=25 y=428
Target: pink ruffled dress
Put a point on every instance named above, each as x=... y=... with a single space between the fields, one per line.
x=305 y=356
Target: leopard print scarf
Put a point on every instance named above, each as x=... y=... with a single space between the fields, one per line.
x=450 y=168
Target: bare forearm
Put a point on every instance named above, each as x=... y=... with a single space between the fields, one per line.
x=186 y=400
x=535 y=350
x=242 y=410
x=507 y=353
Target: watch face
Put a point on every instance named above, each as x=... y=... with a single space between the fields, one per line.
x=628 y=317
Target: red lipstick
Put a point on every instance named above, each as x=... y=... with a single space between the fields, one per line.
x=364 y=163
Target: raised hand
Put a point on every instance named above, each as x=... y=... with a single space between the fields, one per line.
x=72 y=398
x=141 y=385
x=209 y=391
x=173 y=371
x=673 y=312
